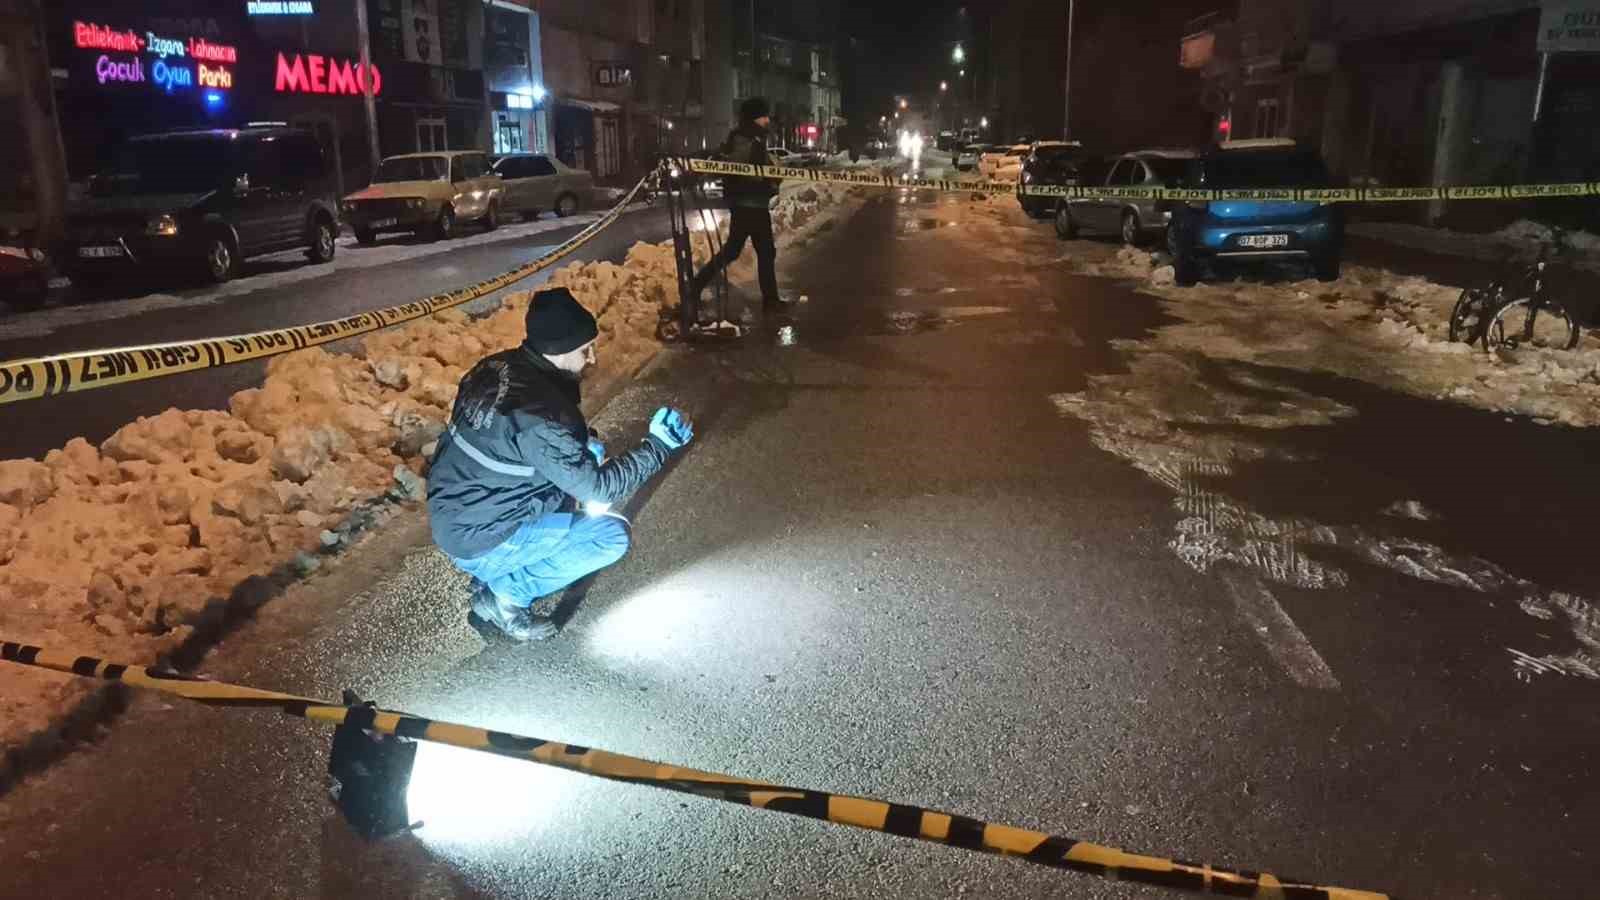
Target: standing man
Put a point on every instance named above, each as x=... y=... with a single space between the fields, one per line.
x=748 y=200
x=510 y=480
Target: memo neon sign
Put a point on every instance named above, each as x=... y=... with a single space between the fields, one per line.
x=313 y=74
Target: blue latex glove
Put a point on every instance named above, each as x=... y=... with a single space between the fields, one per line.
x=672 y=428
x=598 y=451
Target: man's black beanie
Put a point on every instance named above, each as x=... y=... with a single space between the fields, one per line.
x=753 y=109
x=558 y=323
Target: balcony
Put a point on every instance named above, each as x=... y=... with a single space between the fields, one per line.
x=1210 y=45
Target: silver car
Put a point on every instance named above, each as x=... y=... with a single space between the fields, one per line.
x=1133 y=220
x=532 y=183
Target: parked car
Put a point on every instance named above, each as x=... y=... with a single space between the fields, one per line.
x=24 y=271
x=1253 y=231
x=781 y=156
x=203 y=200
x=1003 y=163
x=1132 y=220
x=531 y=183
x=1054 y=163
x=947 y=141
x=426 y=193
x=967 y=158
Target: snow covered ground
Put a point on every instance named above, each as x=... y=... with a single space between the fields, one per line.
x=118 y=549
x=1522 y=237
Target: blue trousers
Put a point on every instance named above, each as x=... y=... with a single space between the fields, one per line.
x=547 y=554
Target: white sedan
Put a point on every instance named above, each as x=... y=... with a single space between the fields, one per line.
x=1003 y=163
x=532 y=183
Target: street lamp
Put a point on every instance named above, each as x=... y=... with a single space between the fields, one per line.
x=983 y=122
x=944 y=86
x=960 y=55
x=902 y=103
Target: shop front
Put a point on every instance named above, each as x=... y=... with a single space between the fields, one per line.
x=119 y=73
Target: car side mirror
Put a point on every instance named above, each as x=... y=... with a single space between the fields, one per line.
x=241 y=186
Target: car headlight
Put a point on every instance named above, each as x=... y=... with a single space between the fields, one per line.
x=347 y=208
x=162 y=226
x=413 y=203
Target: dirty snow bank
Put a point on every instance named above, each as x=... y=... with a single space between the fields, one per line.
x=1372 y=325
x=1523 y=236
x=116 y=550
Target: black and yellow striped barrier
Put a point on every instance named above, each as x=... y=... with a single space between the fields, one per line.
x=1088 y=192
x=50 y=376
x=860 y=812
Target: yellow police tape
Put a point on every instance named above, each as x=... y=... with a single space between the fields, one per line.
x=1080 y=192
x=29 y=379
x=860 y=812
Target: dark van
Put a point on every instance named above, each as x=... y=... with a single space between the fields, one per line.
x=202 y=201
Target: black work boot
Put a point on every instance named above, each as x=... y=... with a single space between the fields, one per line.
x=515 y=622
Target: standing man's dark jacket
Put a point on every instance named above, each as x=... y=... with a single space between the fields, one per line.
x=747 y=144
x=517 y=448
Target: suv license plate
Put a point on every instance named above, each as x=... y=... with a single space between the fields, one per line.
x=1264 y=240
x=101 y=252
x=384 y=223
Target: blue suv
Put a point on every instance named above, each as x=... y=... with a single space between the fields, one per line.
x=1253 y=231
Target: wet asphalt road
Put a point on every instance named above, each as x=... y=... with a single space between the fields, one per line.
x=271 y=292
x=887 y=566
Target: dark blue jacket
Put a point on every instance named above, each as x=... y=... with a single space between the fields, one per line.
x=517 y=449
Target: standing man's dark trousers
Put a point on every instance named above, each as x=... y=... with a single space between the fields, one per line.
x=755 y=225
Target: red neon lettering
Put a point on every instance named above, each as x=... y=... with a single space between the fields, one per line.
x=312 y=74
x=200 y=48
x=340 y=79
x=291 y=78
x=318 y=70
x=89 y=36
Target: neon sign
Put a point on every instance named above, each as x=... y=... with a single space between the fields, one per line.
x=279 y=7
x=176 y=64
x=313 y=74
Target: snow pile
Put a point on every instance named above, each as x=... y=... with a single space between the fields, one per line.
x=1523 y=237
x=116 y=550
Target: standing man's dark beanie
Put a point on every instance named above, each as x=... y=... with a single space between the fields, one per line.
x=558 y=323
x=753 y=109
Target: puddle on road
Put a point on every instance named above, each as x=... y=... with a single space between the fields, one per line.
x=1188 y=422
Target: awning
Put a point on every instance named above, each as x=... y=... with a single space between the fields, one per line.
x=599 y=106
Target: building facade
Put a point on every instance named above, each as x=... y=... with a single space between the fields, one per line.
x=446 y=74
x=788 y=52
x=1428 y=92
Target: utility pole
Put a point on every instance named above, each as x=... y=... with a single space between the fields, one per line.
x=1066 y=111
x=364 y=41
x=25 y=86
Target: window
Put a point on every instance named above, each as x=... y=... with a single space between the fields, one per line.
x=1267 y=118
x=539 y=166
x=263 y=162
x=410 y=168
x=302 y=156
x=1123 y=173
x=431 y=134
x=465 y=168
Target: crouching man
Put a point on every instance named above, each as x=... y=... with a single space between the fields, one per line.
x=513 y=472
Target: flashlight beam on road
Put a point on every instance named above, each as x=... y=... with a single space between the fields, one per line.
x=860 y=812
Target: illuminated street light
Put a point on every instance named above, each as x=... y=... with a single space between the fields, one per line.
x=959 y=55
x=944 y=85
x=902 y=103
x=963 y=73
x=983 y=122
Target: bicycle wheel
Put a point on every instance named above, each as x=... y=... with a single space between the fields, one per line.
x=1520 y=324
x=1470 y=317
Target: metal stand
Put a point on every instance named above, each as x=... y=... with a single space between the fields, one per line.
x=696 y=320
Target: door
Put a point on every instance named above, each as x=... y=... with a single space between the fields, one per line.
x=608 y=149
x=303 y=176
x=513 y=184
x=262 y=208
x=431 y=134
x=1104 y=214
x=544 y=182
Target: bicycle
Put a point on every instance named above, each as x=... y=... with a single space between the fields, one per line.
x=1516 y=310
